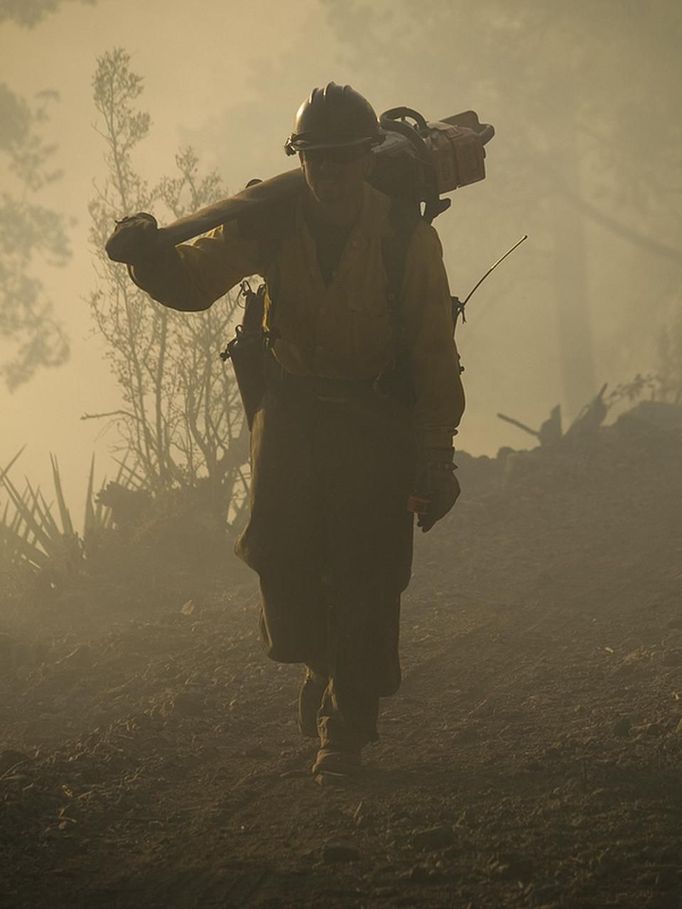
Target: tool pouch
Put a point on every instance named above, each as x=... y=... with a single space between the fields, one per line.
x=248 y=351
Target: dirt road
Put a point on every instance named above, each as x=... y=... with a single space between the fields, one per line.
x=533 y=756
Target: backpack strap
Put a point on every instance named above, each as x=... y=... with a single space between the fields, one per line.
x=403 y=219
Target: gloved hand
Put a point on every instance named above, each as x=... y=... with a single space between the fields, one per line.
x=436 y=487
x=135 y=239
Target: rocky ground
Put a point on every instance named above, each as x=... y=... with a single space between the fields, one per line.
x=533 y=757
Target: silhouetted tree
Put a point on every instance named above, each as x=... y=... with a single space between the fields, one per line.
x=29 y=232
x=29 y=12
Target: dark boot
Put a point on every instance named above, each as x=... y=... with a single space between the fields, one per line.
x=334 y=764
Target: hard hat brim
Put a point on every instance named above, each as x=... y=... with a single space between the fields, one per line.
x=295 y=144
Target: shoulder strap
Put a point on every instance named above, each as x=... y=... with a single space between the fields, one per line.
x=403 y=219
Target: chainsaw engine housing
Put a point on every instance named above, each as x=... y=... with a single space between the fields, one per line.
x=419 y=160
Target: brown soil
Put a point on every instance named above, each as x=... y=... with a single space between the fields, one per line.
x=533 y=756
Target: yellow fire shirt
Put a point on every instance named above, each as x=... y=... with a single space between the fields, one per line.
x=342 y=329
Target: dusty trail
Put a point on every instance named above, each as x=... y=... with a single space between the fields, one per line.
x=533 y=756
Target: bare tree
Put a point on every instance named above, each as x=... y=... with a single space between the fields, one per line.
x=181 y=418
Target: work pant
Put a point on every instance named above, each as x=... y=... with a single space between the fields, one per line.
x=331 y=539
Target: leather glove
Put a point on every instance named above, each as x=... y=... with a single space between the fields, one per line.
x=135 y=239
x=436 y=487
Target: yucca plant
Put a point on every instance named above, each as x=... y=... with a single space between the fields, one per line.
x=33 y=537
x=15 y=533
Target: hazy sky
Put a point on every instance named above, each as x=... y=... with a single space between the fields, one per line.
x=197 y=60
x=228 y=77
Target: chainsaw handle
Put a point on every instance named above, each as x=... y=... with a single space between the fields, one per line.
x=391 y=121
x=401 y=113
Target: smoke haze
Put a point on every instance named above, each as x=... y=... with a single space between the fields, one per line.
x=150 y=753
x=585 y=160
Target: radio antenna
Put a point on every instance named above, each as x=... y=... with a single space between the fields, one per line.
x=459 y=305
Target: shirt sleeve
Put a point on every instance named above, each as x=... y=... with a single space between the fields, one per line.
x=192 y=276
x=434 y=361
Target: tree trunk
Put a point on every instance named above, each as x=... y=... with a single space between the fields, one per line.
x=576 y=359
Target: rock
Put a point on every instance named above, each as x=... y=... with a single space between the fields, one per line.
x=433 y=838
x=622 y=727
x=339 y=852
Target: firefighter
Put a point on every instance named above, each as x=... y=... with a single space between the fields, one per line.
x=354 y=432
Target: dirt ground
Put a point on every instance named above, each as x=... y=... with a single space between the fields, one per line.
x=533 y=757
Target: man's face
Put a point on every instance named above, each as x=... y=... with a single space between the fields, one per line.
x=336 y=174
